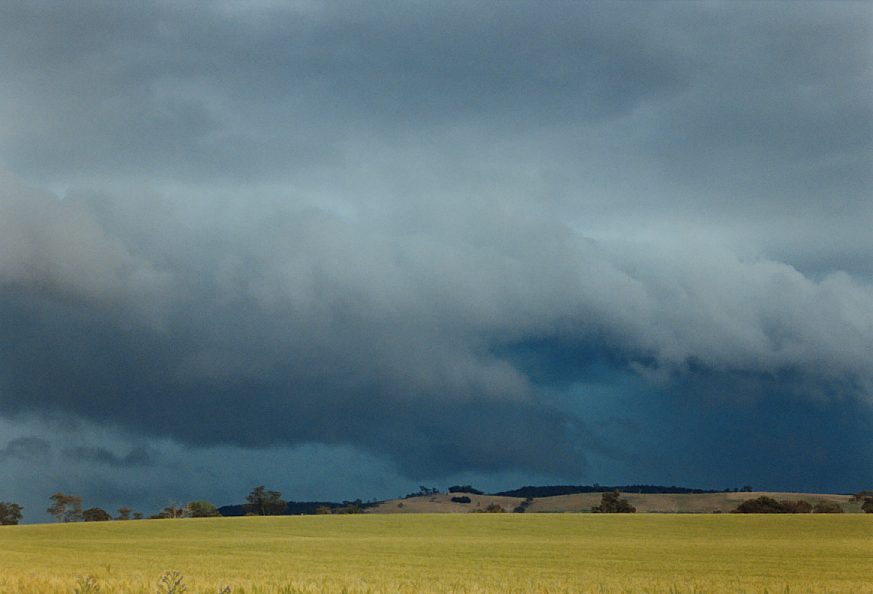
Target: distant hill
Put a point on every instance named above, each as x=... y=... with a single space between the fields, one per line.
x=555 y=490
x=562 y=499
x=690 y=503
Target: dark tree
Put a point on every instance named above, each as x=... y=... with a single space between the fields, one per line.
x=761 y=505
x=124 y=513
x=261 y=502
x=10 y=513
x=202 y=509
x=494 y=508
x=611 y=503
x=797 y=507
x=66 y=508
x=96 y=514
x=827 y=507
x=172 y=512
x=461 y=499
x=867 y=506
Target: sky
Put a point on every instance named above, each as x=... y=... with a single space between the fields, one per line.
x=345 y=249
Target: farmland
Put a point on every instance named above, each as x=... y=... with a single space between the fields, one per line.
x=582 y=502
x=473 y=553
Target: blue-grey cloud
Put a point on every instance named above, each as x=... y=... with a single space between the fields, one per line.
x=28 y=449
x=136 y=457
x=415 y=231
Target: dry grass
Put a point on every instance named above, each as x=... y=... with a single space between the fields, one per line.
x=472 y=553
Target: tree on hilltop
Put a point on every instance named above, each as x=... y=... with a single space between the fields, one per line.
x=261 y=502
x=96 y=514
x=66 y=508
x=124 y=513
x=612 y=503
x=202 y=509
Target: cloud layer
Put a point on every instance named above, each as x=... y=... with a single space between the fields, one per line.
x=421 y=232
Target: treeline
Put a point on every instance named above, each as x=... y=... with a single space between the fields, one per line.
x=768 y=505
x=263 y=502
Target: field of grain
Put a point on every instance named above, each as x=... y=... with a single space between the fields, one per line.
x=470 y=553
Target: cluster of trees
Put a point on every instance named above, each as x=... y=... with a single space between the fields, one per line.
x=612 y=503
x=522 y=507
x=866 y=499
x=768 y=505
x=68 y=508
x=423 y=492
x=10 y=513
x=261 y=502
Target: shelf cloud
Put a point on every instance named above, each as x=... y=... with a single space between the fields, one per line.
x=425 y=232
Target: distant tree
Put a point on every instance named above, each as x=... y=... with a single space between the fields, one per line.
x=171 y=511
x=827 y=507
x=860 y=496
x=461 y=499
x=96 y=514
x=66 y=508
x=349 y=507
x=746 y=489
x=797 y=507
x=323 y=510
x=124 y=513
x=202 y=509
x=494 y=508
x=423 y=492
x=261 y=502
x=867 y=506
x=761 y=505
x=137 y=515
x=10 y=513
x=522 y=507
x=612 y=503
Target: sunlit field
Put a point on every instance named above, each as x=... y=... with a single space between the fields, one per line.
x=473 y=553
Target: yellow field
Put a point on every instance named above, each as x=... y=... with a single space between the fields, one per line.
x=473 y=553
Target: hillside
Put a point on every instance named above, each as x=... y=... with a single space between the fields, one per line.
x=582 y=502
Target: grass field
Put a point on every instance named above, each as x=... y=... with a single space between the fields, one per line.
x=472 y=553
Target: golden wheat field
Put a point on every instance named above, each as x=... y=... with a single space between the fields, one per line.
x=475 y=553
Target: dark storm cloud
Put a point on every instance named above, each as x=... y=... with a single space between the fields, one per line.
x=29 y=449
x=136 y=457
x=408 y=228
x=312 y=328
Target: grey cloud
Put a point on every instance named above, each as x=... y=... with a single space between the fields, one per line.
x=136 y=457
x=314 y=328
x=323 y=224
x=156 y=92
x=59 y=248
x=29 y=449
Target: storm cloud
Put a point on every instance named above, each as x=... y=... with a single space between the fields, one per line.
x=430 y=233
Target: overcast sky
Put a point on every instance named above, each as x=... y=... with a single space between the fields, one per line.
x=345 y=249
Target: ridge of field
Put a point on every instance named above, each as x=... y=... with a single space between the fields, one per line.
x=442 y=553
x=583 y=502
